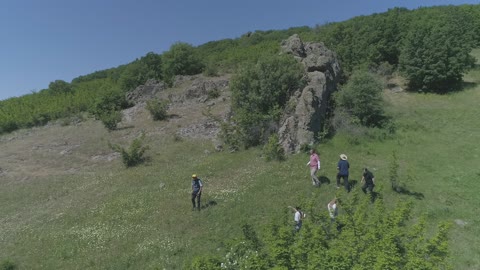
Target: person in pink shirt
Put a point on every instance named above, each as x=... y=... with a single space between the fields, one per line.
x=314 y=164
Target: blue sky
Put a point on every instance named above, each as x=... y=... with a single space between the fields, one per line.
x=46 y=40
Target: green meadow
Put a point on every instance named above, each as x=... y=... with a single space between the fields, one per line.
x=70 y=213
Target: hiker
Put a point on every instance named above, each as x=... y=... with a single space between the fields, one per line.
x=368 y=180
x=314 y=164
x=343 y=167
x=332 y=209
x=197 y=186
x=297 y=217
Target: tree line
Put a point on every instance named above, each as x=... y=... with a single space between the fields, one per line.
x=428 y=46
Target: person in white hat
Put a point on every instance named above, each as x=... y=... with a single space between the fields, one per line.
x=343 y=166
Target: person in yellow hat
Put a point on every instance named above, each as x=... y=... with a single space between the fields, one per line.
x=197 y=187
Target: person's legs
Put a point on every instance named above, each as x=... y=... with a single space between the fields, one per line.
x=364 y=188
x=194 y=195
x=338 y=180
x=298 y=225
x=315 y=180
x=345 y=182
x=198 y=200
x=193 y=199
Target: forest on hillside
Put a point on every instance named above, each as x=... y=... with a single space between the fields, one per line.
x=428 y=46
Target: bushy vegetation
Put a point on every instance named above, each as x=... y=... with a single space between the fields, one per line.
x=110 y=119
x=421 y=43
x=361 y=97
x=436 y=50
x=366 y=236
x=429 y=46
x=260 y=93
x=134 y=154
x=158 y=109
x=181 y=59
x=7 y=265
x=272 y=150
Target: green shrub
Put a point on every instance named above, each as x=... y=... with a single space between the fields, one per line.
x=206 y=263
x=59 y=87
x=134 y=155
x=211 y=70
x=213 y=93
x=158 y=109
x=362 y=98
x=230 y=135
x=260 y=93
x=7 y=265
x=111 y=119
x=272 y=150
x=376 y=236
x=181 y=59
x=113 y=100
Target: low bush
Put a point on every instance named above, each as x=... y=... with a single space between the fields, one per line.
x=7 y=265
x=111 y=119
x=272 y=150
x=158 y=109
x=134 y=155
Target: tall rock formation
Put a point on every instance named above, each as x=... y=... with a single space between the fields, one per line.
x=323 y=71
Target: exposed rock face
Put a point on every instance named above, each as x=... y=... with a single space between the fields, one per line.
x=323 y=72
x=146 y=91
x=190 y=104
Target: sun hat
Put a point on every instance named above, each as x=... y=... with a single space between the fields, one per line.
x=343 y=156
x=194 y=176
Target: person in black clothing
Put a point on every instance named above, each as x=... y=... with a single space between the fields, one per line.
x=197 y=186
x=368 y=181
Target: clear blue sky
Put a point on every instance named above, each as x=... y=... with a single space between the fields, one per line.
x=46 y=40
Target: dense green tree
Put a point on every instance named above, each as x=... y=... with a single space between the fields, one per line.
x=362 y=98
x=113 y=100
x=59 y=87
x=139 y=71
x=260 y=92
x=181 y=59
x=436 y=49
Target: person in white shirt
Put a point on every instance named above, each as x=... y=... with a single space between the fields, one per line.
x=332 y=209
x=297 y=217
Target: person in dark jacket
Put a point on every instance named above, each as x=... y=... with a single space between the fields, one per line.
x=343 y=166
x=368 y=181
x=197 y=187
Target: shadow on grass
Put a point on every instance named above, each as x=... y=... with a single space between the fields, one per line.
x=405 y=191
x=209 y=204
x=324 y=180
x=125 y=127
x=469 y=85
x=375 y=195
x=173 y=116
x=352 y=183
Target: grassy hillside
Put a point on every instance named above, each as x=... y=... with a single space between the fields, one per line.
x=66 y=202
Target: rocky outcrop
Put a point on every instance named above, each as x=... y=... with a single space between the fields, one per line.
x=323 y=72
x=147 y=91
